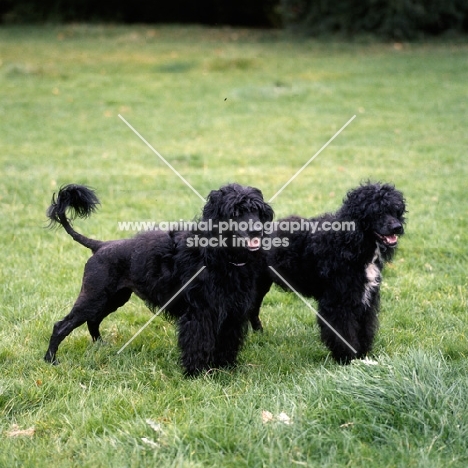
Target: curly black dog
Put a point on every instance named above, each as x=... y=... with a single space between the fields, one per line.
x=212 y=309
x=337 y=259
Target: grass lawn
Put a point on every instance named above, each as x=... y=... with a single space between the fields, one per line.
x=225 y=105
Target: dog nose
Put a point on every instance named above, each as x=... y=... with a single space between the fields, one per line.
x=396 y=227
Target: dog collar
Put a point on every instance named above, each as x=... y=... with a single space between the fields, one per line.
x=237 y=264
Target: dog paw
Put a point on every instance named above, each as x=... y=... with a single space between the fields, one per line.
x=51 y=359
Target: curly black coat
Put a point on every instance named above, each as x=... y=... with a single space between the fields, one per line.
x=340 y=268
x=211 y=312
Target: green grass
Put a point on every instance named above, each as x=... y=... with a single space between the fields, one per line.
x=230 y=105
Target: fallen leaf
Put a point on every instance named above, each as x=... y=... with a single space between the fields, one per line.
x=284 y=418
x=15 y=431
x=150 y=442
x=266 y=416
x=348 y=424
x=366 y=361
x=154 y=425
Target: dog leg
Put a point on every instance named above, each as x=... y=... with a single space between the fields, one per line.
x=263 y=285
x=254 y=314
x=352 y=319
x=229 y=342
x=85 y=309
x=340 y=327
x=356 y=326
x=118 y=300
x=61 y=330
x=93 y=327
x=255 y=321
x=369 y=324
x=197 y=343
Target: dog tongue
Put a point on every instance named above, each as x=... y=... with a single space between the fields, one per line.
x=393 y=239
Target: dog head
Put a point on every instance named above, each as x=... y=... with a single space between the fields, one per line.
x=379 y=211
x=238 y=213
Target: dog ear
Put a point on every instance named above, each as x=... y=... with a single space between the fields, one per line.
x=361 y=204
x=212 y=208
x=266 y=213
x=257 y=202
x=223 y=203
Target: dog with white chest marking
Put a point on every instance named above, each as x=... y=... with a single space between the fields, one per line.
x=341 y=268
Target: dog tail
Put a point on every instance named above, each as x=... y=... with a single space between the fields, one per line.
x=80 y=201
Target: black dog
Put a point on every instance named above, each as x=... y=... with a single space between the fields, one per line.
x=212 y=311
x=337 y=259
